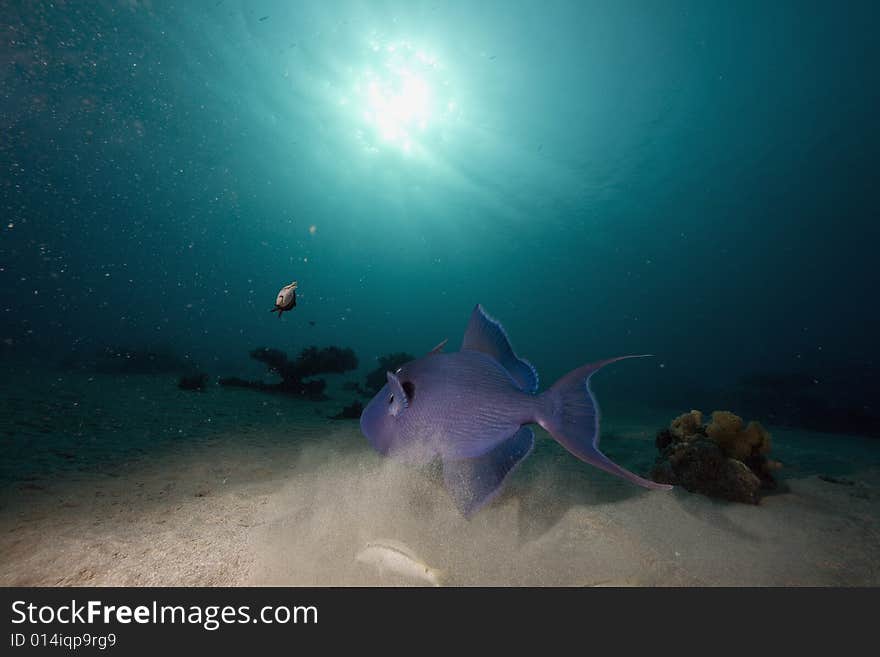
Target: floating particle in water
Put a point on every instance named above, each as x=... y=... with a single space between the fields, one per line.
x=313 y=229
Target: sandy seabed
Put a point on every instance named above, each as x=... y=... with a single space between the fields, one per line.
x=110 y=480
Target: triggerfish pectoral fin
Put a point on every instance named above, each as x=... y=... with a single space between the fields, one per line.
x=473 y=483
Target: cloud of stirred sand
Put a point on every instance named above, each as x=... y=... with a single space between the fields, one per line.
x=540 y=531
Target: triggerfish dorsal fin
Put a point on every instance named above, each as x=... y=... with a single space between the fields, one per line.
x=439 y=348
x=488 y=336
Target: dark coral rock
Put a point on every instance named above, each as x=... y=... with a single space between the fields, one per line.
x=700 y=466
x=763 y=467
x=193 y=382
x=664 y=439
x=724 y=459
x=352 y=412
x=236 y=382
x=275 y=359
x=295 y=374
x=328 y=360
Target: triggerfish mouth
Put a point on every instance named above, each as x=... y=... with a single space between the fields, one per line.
x=471 y=409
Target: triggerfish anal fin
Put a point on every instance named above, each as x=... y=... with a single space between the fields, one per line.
x=473 y=483
x=488 y=336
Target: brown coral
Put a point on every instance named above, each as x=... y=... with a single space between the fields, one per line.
x=724 y=458
x=687 y=425
x=739 y=443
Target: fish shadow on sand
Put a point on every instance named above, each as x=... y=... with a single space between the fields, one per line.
x=550 y=483
x=711 y=511
x=549 y=489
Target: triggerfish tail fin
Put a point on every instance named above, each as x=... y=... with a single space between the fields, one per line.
x=473 y=483
x=571 y=416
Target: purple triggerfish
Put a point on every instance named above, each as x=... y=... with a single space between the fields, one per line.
x=471 y=409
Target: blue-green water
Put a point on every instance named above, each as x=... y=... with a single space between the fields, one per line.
x=691 y=179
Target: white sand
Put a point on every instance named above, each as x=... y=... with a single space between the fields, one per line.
x=128 y=481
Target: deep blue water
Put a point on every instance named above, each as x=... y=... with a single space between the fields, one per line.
x=692 y=179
